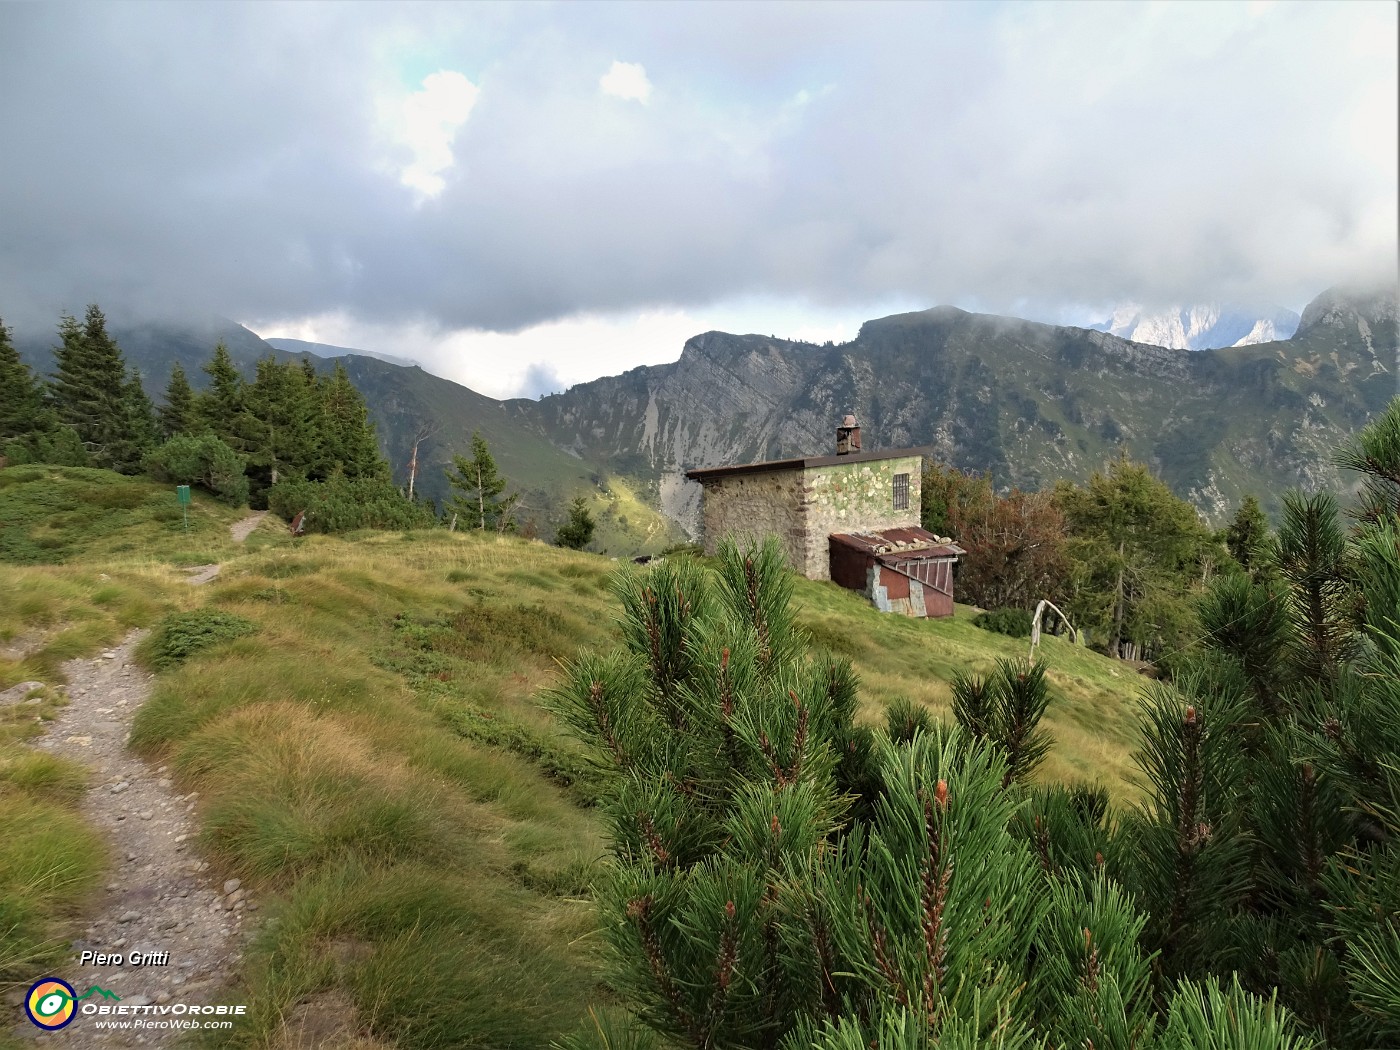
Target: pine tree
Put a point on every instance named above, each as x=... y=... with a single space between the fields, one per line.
x=1312 y=557
x=284 y=440
x=139 y=433
x=221 y=407
x=22 y=411
x=178 y=415
x=1137 y=552
x=1375 y=455
x=1248 y=536
x=347 y=433
x=577 y=532
x=1308 y=662
x=767 y=891
x=481 y=502
x=92 y=391
x=1005 y=712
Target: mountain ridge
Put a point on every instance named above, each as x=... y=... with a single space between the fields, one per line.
x=330 y=350
x=1028 y=401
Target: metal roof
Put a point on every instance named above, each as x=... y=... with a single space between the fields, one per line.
x=903 y=544
x=703 y=473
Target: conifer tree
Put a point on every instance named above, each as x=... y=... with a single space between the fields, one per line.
x=22 y=410
x=139 y=432
x=766 y=890
x=1302 y=674
x=179 y=414
x=347 y=433
x=1374 y=454
x=481 y=501
x=1248 y=535
x=29 y=427
x=221 y=407
x=284 y=440
x=1137 y=550
x=577 y=532
x=92 y=392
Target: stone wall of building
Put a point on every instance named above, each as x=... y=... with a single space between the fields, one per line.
x=851 y=497
x=749 y=507
x=804 y=507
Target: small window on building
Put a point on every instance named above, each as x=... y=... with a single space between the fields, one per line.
x=901 y=492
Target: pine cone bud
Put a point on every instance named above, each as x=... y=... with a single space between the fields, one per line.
x=1190 y=716
x=940 y=794
x=729 y=909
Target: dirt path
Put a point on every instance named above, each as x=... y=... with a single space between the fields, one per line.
x=159 y=897
x=240 y=530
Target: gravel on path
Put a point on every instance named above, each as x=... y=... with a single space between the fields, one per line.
x=178 y=928
x=240 y=530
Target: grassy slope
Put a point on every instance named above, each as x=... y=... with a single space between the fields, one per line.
x=375 y=763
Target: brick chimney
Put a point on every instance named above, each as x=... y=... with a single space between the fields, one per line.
x=848 y=436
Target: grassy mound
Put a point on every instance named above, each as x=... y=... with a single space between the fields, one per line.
x=374 y=762
x=51 y=515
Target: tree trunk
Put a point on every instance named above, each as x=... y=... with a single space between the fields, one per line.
x=1118 y=606
x=480 y=499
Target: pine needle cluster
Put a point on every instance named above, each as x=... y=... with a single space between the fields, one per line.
x=782 y=876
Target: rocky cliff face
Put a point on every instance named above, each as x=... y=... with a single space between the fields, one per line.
x=1029 y=402
x=1200 y=327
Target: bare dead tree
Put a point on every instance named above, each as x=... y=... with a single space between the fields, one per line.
x=425 y=431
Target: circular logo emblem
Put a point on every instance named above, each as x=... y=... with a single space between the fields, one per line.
x=51 y=1003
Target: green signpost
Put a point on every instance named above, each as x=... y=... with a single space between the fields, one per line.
x=182 y=493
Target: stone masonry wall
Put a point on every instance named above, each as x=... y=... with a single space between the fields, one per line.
x=803 y=508
x=851 y=497
x=749 y=507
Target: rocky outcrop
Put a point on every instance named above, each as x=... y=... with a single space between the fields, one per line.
x=1029 y=402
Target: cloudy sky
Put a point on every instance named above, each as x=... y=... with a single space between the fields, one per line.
x=528 y=195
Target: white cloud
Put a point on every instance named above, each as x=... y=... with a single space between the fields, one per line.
x=983 y=154
x=626 y=80
x=428 y=123
x=549 y=357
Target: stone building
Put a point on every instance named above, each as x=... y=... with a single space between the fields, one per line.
x=806 y=501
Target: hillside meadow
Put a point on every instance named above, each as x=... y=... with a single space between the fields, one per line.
x=360 y=716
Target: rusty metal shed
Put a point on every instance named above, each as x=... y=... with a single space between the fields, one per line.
x=905 y=570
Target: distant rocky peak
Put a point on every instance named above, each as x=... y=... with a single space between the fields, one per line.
x=1351 y=307
x=1204 y=326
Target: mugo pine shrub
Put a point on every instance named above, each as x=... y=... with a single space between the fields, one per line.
x=344 y=504
x=782 y=877
x=180 y=635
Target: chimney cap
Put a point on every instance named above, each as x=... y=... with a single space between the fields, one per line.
x=849 y=421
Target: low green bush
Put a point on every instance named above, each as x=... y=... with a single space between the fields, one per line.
x=1014 y=623
x=341 y=504
x=180 y=635
x=203 y=460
